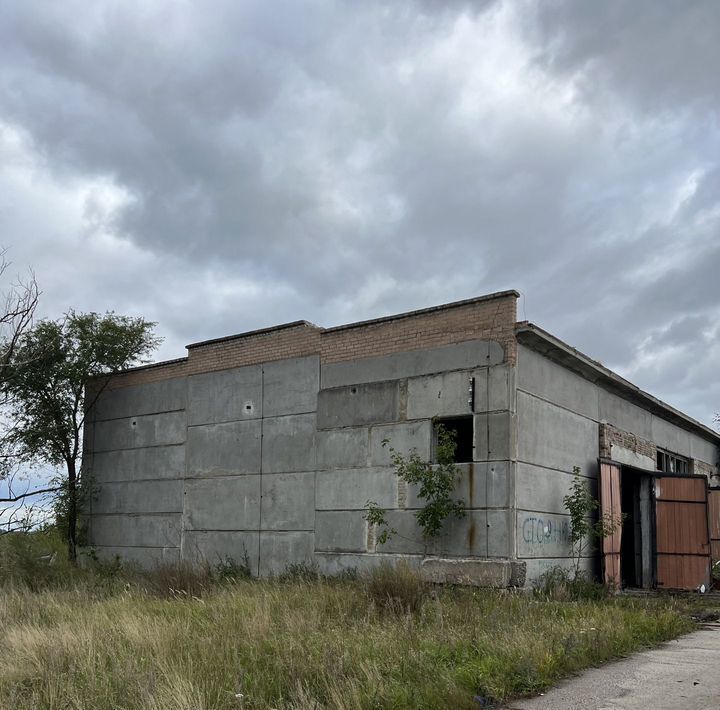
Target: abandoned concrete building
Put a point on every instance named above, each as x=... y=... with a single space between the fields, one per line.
x=265 y=447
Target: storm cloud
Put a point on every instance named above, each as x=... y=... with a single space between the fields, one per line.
x=221 y=166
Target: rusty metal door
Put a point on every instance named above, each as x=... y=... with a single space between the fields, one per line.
x=682 y=540
x=611 y=507
x=714 y=519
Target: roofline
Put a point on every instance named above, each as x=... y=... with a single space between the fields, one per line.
x=137 y=368
x=259 y=331
x=358 y=324
x=540 y=340
x=422 y=311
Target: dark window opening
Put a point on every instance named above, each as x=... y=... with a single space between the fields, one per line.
x=672 y=463
x=462 y=427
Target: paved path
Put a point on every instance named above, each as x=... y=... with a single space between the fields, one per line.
x=684 y=673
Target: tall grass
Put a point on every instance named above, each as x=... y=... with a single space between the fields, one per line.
x=302 y=642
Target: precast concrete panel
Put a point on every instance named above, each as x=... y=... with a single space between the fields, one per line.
x=704 y=450
x=166 y=462
x=445 y=395
x=480 y=485
x=224 y=449
x=548 y=380
x=481 y=533
x=225 y=396
x=670 y=437
x=494 y=435
x=624 y=415
x=404 y=438
x=407 y=539
x=413 y=363
x=556 y=438
x=342 y=448
x=215 y=546
x=358 y=405
x=159 y=530
x=340 y=531
x=139 y=497
x=291 y=386
x=335 y=563
x=288 y=501
x=543 y=534
x=145 y=557
x=279 y=550
x=351 y=489
x=500 y=387
x=136 y=400
x=543 y=489
x=535 y=568
x=231 y=503
x=288 y=444
x=139 y=432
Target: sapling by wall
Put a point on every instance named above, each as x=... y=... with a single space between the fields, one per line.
x=436 y=483
x=585 y=530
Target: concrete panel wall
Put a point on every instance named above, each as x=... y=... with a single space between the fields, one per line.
x=228 y=503
x=137 y=438
x=166 y=396
x=262 y=465
x=291 y=386
x=139 y=497
x=224 y=449
x=141 y=431
x=214 y=546
x=226 y=396
x=461 y=356
x=136 y=530
x=559 y=415
x=139 y=464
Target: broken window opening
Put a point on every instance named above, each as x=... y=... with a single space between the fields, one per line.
x=668 y=462
x=463 y=429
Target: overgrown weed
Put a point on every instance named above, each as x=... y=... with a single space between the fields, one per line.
x=113 y=637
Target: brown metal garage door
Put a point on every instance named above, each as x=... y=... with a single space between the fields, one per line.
x=610 y=507
x=682 y=541
x=714 y=510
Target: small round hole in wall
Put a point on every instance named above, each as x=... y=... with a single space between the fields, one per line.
x=353 y=390
x=248 y=407
x=134 y=423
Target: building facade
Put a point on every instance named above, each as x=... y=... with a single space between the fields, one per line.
x=265 y=447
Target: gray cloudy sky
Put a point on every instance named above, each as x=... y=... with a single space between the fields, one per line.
x=221 y=165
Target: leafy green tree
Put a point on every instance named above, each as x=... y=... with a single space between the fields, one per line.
x=585 y=531
x=436 y=484
x=57 y=371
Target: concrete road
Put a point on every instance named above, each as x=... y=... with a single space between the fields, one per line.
x=684 y=673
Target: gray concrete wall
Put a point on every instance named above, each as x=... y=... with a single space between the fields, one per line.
x=137 y=440
x=558 y=418
x=395 y=398
x=273 y=464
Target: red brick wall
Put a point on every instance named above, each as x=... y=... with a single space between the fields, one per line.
x=610 y=435
x=491 y=318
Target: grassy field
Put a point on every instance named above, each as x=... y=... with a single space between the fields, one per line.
x=107 y=639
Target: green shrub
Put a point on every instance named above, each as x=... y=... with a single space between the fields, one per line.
x=35 y=560
x=398 y=589
x=561 y=584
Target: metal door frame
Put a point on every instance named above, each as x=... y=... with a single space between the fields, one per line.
x=653 y=509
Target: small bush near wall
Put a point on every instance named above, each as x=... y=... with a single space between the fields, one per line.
x=560 y=584
x=398 y=589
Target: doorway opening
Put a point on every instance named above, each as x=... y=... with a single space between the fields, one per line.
x=636 y=561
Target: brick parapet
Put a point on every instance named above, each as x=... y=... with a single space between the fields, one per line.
x=612 y=436
x=490 y=318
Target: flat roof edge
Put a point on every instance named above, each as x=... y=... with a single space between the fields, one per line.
x=422 y=311
x=259 y=331
x=568 y=356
